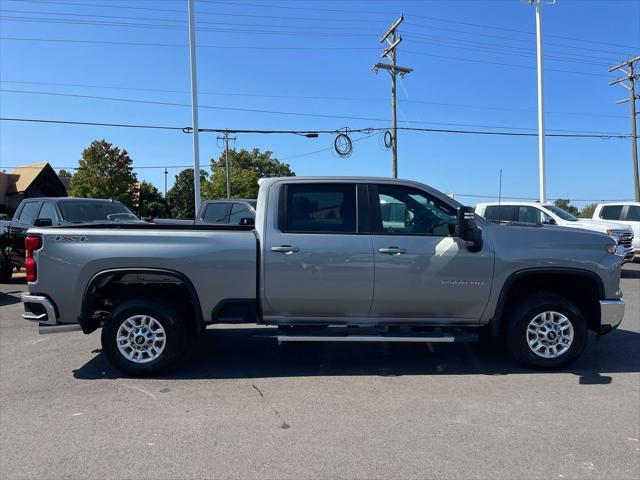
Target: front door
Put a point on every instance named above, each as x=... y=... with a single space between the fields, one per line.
x=422 y=270
x=318 y=263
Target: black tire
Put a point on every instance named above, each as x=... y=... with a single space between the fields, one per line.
x=524 y=311
x=6 y=269
x=171 y=321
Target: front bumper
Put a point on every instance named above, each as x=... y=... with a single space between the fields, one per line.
x=611 y=314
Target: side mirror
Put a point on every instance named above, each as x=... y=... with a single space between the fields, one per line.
x=247 y=221
x=549 y=221
x=43 y=222
x=468 y=230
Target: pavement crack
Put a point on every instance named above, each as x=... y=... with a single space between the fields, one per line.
x=284 y=425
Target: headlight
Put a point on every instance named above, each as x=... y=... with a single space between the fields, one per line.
x=610 y=247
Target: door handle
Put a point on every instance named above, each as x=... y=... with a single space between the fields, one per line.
x=393 y=250
x=286 y=249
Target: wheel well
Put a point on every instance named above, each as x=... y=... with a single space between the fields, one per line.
x=108 y=290
x=582 y=290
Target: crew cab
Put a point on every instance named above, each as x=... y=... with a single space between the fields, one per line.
x=219 y=212
x=329 y=259
x=54 y=211
x=550 y=214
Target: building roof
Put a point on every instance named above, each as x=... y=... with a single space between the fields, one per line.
x=27 y=175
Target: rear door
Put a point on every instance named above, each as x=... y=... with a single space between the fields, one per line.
x=422 y=270
x=19 y=226
x=318 y=257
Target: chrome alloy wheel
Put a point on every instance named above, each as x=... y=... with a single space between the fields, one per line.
x=550 y=334
x=141 y=338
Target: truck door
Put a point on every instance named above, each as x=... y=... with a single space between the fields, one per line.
x=318 y=260
x=421 y=269
x=22 y=221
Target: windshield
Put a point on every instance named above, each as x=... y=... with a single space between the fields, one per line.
x=561 y=213
x=91 y=211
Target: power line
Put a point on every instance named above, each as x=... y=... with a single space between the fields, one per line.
x=603 y=136
x=279 y=112
x=308 y=97
x=238 y=47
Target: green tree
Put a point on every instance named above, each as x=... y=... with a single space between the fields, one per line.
x=65 y=174
x=246 y=167
x=104 y=171
x=587 y=211
x=152 y=203
x=565 y=204
x=180 y=198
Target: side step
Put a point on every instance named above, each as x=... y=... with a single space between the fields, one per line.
x=341 y=334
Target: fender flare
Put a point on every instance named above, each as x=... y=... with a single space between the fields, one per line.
x=89 y=325
x=496 y=320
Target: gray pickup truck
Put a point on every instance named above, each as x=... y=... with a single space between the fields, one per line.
x=329 y=259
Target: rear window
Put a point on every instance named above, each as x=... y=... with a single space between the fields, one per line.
x=81 y=211
x=216 y=212
x=329 y=208
x=238 y=212
x=611 y=212
x=502 y=213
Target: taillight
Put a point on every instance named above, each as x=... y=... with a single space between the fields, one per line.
x=31 y=244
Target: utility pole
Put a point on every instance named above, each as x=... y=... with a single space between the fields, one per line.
x=227 y=167
x=541 y=132
x=630 y=75
x=390 y=52
x=194 y=106
x=166 y=172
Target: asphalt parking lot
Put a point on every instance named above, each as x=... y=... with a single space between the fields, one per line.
x=246 y=408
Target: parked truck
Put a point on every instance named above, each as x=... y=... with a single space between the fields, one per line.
x=329 y=259
x=52 y=211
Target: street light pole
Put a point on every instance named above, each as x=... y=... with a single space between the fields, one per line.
x=541 y=131
x=194 y=107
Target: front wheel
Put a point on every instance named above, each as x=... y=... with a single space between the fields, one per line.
x=546 y=332
x=144 y=337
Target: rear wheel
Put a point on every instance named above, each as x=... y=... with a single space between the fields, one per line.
x=546 y=331
x=144 y=337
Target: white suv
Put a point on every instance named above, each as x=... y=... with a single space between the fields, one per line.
x=549 y=214
x=622 y=213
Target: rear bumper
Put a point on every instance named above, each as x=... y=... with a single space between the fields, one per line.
x=38 y=308
x=611 y=314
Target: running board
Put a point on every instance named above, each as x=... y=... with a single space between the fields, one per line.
x=334 y=334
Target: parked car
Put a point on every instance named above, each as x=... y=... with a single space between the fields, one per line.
x=547 y=213
x=55 y=211
x=218 y=212
x=323 y=263
x=622 y=213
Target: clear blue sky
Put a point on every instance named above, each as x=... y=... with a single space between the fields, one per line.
x=474 y=68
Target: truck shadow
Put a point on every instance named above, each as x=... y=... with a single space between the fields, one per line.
x=235 y=353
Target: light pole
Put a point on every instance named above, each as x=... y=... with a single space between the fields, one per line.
x=541 y=134
x=194 y=107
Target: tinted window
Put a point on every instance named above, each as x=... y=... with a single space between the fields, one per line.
x=611 y=212
x=321 y=208
x=503 y=213
x=216 y=213
x=79 y=211
x=563 y=214
x=29 y=212
x=530 y=215
x=405 y=210
x=633 y=213
x=48 y=211
x=238 y=212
